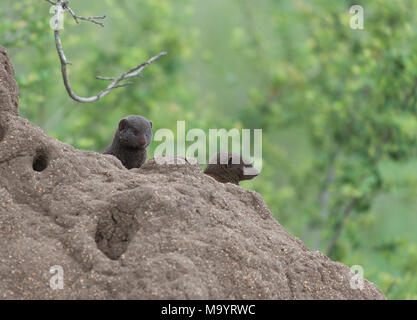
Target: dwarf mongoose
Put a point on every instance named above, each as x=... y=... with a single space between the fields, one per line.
x=133 y=135
x=222 y=168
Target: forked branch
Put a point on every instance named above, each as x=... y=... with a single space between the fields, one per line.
x=62 y=6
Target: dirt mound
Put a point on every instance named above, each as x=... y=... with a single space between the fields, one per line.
x=161 y=231
x=9 y=91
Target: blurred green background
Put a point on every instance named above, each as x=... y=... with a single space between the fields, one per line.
x=337 y=106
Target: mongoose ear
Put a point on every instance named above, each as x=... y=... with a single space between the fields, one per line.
x=150 y=122
x=122 y=124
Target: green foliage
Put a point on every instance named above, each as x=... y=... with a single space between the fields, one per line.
x=337 y=106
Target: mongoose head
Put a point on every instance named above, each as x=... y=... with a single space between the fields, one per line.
x=134 y=132
x=230 y=167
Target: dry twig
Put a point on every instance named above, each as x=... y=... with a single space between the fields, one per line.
x=62 y=6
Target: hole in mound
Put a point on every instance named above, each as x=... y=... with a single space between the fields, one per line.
x=41 y=161
x=114 y=233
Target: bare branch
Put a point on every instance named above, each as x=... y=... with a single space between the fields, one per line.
x=105 y=78
x=90 y=19
x=124 y=84
x=116 y=82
